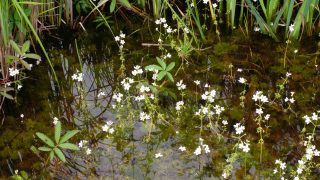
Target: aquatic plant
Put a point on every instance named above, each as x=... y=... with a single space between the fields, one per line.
x=54 y=148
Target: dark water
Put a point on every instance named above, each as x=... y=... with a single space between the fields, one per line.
x=130 y=151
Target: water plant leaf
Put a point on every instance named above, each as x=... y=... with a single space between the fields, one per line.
x=153 y=67
x=45 y=139
x=162 y=63
x=25 y=64
x=10 y=59
x=125 y=3
x=68 y=135
x=170 y=66
x=60 y=155
x=6 y=95
x=170 y=77
x=32 y=56
x=15 y=47
x=161 y=75
x=44 y=148
x=113 y=5
x=57 y=132
x=25 y=47
x=51 y=155
x=69 y=146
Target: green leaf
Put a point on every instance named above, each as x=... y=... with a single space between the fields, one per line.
x=25 y=47
x=113 y=5
x=10 y=59
x=161 y=75
x=45 y=139
x=170 y=77
x=60 y=155
x=34 y=150
x=162 y=63
x=69 y=146
x=153 y=67
x=15 y=47
x=125 y=3
x=6 y=95
x=25 y=64
x=51 y=155
x=170 y=66
x=57 y=132
x=32 y=56
x=44 y=148
x=68 y=135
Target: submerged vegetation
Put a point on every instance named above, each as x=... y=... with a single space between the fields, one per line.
x=167 y=89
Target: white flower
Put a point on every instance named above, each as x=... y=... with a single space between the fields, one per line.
x=244 y=147
x=111 y=130
x=77 y=77
x=180 y=85
x=258 y=96
x=242 y=80
x=82 y=143
x=275 y=171
x=22 y=115
x=314 y=117
x=13 y=72
x=225 y=122
x=144 y=89
x=117 y=97
x=144 y=116
x=169 y=30
x=101 y=94
x=158 y=155
x=19 y=87
x=282 y=165
x=214 y=5
x=259 y=111
x=122 y=35
x=137 y=70
x=126 y=83
x=209 y=96
x=307 y=119
x=205 y=1
x=140 y=98
x=256 y=29
x=291 y=28
x=267 y=116
x=179 y=105
x=295 y=51
x=158 y=21
x=206 y=148
x=163 y=20
x=197 y=82
x=197 y=151
x=288 y=74
x=55 y=120
x=225 y=175
x=122 y=42
x=88 y=151
x=239 y=70
x=117 y=38
x=105 y=128
x=186 y=30
x=182 y=148
x=219 y=109
x=239 y=128
x=299 y=170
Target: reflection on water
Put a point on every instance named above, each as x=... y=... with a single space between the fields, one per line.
x=130 y=152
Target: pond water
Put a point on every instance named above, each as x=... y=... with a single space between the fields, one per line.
x=164 y=145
